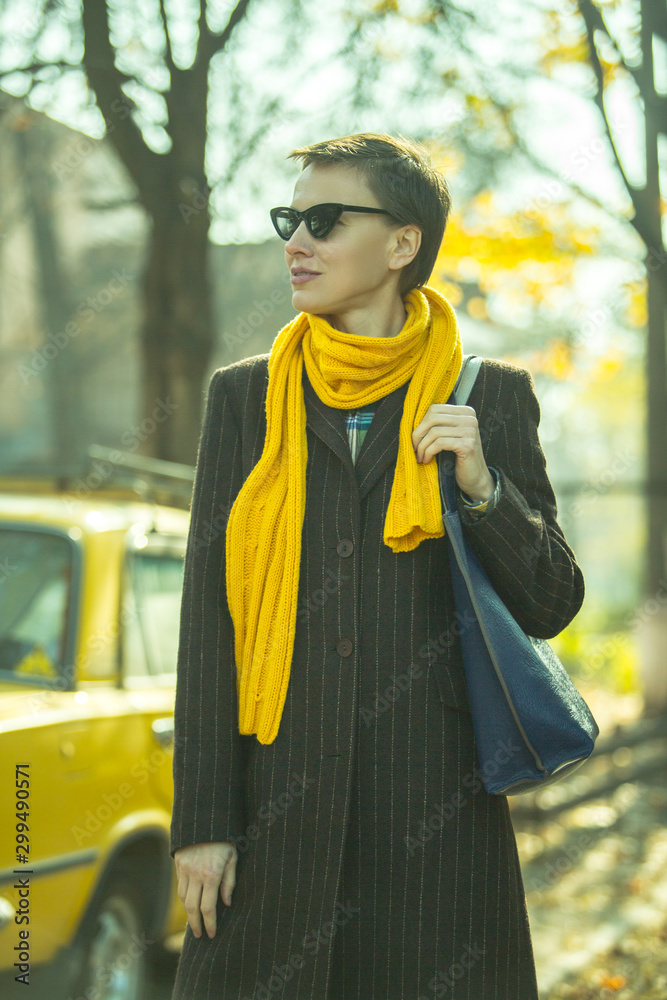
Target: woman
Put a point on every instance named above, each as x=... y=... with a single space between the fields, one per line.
x=331 y=836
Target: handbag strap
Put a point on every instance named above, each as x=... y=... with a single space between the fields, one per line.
x=446 y=459
x=466 y=380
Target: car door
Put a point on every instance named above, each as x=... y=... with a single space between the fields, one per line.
x=152 y=590
x=40 y=598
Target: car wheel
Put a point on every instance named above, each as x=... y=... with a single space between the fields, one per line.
x=115 y=963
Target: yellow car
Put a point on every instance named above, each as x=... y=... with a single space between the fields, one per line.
x=90 y=591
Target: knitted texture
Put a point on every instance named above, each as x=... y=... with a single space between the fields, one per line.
x=263 y=539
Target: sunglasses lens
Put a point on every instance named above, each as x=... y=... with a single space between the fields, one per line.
x=322 y=220
x=285 y=223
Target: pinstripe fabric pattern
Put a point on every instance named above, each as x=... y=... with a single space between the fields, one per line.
x=372 y=864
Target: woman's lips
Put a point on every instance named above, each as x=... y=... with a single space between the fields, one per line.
x=298 y=279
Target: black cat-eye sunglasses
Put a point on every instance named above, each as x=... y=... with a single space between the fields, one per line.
x=320 y=219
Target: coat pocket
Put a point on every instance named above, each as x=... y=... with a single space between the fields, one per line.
x=450 y=683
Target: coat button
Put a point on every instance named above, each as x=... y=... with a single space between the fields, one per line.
x=344 y=547
x=344 y=647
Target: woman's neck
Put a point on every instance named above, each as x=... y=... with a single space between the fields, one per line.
x=371 y=321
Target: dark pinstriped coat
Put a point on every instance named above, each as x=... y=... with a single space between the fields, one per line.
x=372 y=863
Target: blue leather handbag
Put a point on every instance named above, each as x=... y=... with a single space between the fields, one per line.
x=532 y=727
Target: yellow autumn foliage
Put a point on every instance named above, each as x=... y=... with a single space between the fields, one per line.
x=527 y=256
x=637 y=312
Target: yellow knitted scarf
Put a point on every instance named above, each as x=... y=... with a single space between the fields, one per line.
x=263 y=540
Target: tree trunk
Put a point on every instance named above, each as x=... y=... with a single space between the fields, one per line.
x=60 y=375
x=177 y=336
x=652 y=619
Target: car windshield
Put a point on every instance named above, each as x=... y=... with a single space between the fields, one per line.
x=35 y=586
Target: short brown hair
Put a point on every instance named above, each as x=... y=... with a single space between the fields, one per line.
x=399 y=173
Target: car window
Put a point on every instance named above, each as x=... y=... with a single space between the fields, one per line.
x=35 y=594
x=151 y=612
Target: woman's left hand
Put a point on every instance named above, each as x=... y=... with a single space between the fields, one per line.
x=446 y=427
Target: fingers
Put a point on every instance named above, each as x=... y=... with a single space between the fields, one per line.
x=202 y=869
x=445 y=413
x=458 y=440
x=228 y=881
x=209 y=899
x=191 y=902
x=443 y=416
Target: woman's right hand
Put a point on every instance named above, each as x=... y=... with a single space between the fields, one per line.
x=200 y=869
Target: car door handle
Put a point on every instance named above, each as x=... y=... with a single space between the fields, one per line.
x=163 y=730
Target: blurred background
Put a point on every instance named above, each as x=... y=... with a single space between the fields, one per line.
x=141 y=148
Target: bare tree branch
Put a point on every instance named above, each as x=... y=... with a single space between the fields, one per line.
x=644 y=80
x=520 y=144
x=202 y=23
x=209 y=42
x=144 y=166
x=593 y=22
x=168 y=58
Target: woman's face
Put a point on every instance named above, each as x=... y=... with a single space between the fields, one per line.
x=362 y=254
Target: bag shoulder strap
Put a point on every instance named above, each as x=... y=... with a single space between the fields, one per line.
x=467 y=376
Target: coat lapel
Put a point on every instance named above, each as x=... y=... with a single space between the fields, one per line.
x=380 y=446
x=328 y=423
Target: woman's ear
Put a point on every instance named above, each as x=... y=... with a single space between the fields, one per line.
x=407 y=241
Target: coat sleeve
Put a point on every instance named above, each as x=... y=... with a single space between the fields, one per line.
x=519 y=542
x=208 y=748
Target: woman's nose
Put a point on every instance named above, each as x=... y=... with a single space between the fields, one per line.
x=299 y=241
